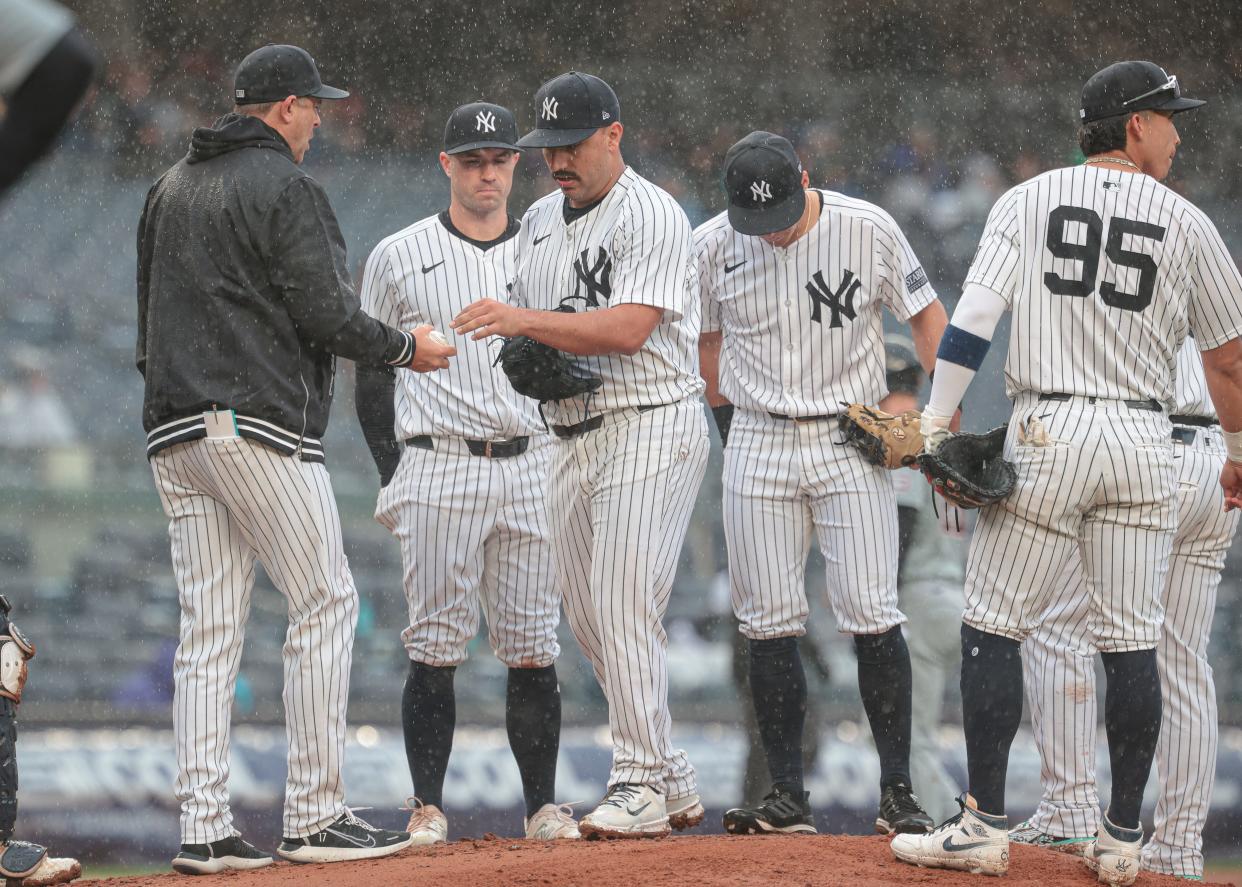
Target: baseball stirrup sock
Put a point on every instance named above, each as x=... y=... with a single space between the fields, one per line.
x=778 y=689
x=885 y=686
x=1132 y=722
x=991 y=712
x=428 y=717
x=533 y=721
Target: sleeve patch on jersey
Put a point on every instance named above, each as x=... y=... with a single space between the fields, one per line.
x=963 y=348
x=915 y=279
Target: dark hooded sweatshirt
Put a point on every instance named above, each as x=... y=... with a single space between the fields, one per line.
x=244 y=296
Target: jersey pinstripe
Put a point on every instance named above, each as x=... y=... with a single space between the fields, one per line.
x=633 y=248
x=1191 y=397
x=804 y=324
x=427 y=274
x=1104 y=272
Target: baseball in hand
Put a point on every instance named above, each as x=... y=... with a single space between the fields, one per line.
x=437 y=337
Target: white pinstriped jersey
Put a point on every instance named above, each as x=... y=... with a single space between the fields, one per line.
x=633 y=248
x=803 y=326
x=1191 y=397
x=427 y=274
x=1104 y=272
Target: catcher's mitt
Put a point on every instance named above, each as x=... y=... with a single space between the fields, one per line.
x=969 y=470
x=884 y=439
x=541 y=371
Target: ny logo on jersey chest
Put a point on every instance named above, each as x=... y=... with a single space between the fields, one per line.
x=595 y=276
x=839 y=302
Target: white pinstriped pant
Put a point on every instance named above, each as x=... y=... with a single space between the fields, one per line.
x=1102 y=487
x=473 y=530
x=618 y=510
x=231 y=502
x=1059 y=669
x=784 y=480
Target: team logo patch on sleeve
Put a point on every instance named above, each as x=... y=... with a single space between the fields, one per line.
x=916 y=279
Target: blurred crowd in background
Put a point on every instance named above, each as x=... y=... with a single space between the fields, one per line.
x=930 y=110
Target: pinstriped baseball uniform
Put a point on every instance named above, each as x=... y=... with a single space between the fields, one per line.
x=1103 y=272
x=802 y=333
x=1059 y=663
x=472 y=529
x=230 y=502
x=620 y=496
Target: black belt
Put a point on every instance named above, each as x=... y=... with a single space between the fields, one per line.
x=1184 y=435
x=1197 y=421
x=1150 y=405
x=801 y=419
x=492 y=449
x=565 y=432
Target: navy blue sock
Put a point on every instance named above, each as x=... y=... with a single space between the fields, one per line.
x=885 y=685
x=778 y=688
x=1132 y=722
x=991 y=712
x=533 y=721
x=428 y=718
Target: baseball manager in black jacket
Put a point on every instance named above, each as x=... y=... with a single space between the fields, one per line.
x=244 y=302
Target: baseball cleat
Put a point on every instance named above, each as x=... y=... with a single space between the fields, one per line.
x=428 y=825
x=901 y=812
x=346 y=839
x=551 y=823
x=685 y=811
x=970 y=842
x=781 y=812
x=1025 y=833
x=226 y=855
x=57 y=870
x=1116 y=854
x=627 y=811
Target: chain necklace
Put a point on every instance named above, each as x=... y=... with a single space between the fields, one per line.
x=1118 y=160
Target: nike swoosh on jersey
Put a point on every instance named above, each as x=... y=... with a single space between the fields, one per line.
x=427 y=269
x=729 y=269
x=540 y=239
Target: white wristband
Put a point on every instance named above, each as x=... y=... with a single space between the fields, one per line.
x=1233 y=445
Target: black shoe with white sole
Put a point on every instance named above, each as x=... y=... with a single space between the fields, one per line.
x=901 y=813
x=782 y=813
x=346 y=839
x=226 y=855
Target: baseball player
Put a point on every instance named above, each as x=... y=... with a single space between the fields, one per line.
x=793 y=283
x=1104 y=270
x=930 y=573
x=628 y=458
x=244 y=303
x=464 y=480
x=45 y=67
x=1059 y=668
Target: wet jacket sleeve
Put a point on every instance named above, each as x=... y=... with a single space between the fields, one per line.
x=306 y=263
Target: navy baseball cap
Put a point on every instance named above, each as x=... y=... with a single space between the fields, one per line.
x=763 y=178
x=277 y=71
x=1127 y=87
x=480 y=125
x=570 y=108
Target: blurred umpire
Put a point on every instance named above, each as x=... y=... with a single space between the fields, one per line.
x=244 y=303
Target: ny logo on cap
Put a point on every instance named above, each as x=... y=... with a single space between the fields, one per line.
x=485 y=121
x=761 y=191
x=549 y=108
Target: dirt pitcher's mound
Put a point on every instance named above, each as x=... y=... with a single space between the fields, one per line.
x=821 y=861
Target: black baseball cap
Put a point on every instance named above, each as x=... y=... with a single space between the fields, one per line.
x=480 y=125
x=1126 y=87
x=277 y=71
x=570 y=108
x=763 y=178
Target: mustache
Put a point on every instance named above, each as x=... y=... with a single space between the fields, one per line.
x=563 y=174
